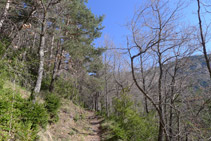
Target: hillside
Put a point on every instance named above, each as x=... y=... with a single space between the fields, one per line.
x=75 y=124
x=61 y=80
x=198 y=70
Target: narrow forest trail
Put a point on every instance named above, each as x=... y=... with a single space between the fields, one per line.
x=75 y=124
x=94 y=122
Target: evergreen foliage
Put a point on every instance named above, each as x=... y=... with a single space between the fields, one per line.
x=52 y=104
x=20 y=119
x=47 y=48
x=129 y=125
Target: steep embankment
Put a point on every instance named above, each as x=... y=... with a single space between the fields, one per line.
x=75 y=124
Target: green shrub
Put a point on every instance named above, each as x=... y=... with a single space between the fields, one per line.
x=36 y=114
x=20 y=117
x=26 y=132
x=46 y=82
x=128 y=124
x=52 y=104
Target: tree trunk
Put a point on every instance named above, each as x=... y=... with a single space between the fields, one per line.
x=107 y=108
x=57 y=64
x=144 y=84
x=178 y=126
x=203 y=42
x=160 y=135
x=55 y=75
x=42 y=58
x=5 y=13
x=106 y=85
x=170 y=121
x=51 y=51
x=96 y=101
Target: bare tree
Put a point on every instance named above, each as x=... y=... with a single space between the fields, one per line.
x=203 y=38
x=155 y=31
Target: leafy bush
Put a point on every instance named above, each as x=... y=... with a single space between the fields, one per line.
x=128 y=124
x=52 y=104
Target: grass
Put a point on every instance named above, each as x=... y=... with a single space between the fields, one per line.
x=24 y=93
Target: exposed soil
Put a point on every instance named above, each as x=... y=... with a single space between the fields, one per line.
x=75 y=124
x=95 y=127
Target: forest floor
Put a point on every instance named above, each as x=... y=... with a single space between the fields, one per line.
x=75 y=124
x=95 y=122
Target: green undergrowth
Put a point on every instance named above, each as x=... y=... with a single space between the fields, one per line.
x=20 y=118
x=126 y=124
x=52 y=104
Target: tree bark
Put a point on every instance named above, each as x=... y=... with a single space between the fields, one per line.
x=106 y=84
x=144 y=84
x=5 y=13
x=52 y=47
x=178 y=126
x=42 y=58
x=160 y=135
x=57 y=64
x=172 y=101
x=203 y=40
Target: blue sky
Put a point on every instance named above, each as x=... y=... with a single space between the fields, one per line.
x=119 y=12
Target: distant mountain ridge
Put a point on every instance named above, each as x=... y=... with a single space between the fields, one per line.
x=198 y=68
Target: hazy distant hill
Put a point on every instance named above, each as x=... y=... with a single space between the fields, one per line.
x=198 y=69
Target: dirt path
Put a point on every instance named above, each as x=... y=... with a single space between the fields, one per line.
x=75 y=124
x=95 y=127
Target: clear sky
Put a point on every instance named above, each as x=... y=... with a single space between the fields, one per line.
x=119 y=12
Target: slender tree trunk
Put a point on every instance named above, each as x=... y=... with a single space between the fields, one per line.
x=51 y=51
x=186 y=137
x=57 y=64
x=144 y=85
x=34 y=43
x=55 y=75
x=170 y=121
x=203 y=40
x=107 y=108
x=171 y=103
x=178 y=126
x=161 y=126
x=42 y=58
x=106 y=85
x=96 y=101
x=160 y=113
x=5 y=13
